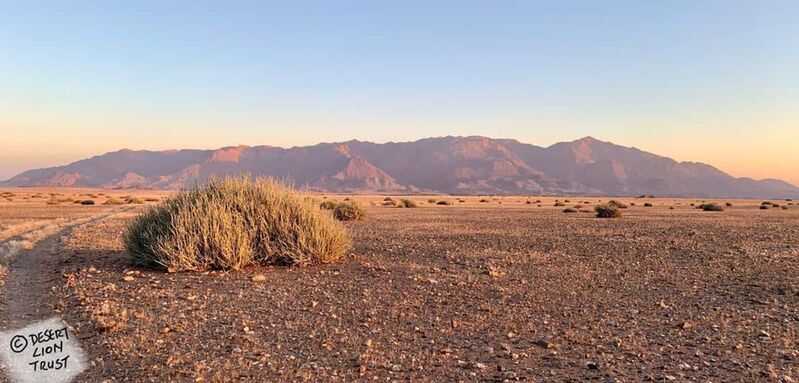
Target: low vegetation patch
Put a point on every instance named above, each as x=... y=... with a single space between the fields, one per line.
x=232 y=223
x=87 y=202
x=113 y=201
x=349 y=211
x=444 y=203
x=607 y=211
x=570 y=210
x=648 y=204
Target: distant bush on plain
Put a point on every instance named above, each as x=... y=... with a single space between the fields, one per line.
x=349 y=211
x=113 y=201
x=444 y=203
x=87 y=202
x=607 y=211
x=232 y=223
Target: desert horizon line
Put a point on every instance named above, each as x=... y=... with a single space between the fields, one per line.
x=380 y=142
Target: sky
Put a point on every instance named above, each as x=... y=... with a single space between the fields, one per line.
x=708 y=81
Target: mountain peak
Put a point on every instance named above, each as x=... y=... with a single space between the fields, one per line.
x=452 y=164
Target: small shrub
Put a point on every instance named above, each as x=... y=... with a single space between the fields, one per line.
x=232 y=223
x=484 y=200
x=52 y=202
x=559 y=204
x=431 y=201
x=784 y=207
x=387 y=199
x=113 y=201
x=647 y=204
x=570 y=210
x=727 y=204
x=134 y=201
x=444 y=203
x=406 y=203
x=607 y=211
x=349 y=211
x=764 y=207
x=328 y=205
x=711 y=207
x=87 y=202
x=151 y=199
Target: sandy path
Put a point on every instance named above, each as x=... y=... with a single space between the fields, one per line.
x=31 y=277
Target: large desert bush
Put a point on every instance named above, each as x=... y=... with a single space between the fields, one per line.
x=607 y=211
x=234 y=222
x=349 y=211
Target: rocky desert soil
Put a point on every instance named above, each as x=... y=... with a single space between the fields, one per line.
x=468 y=292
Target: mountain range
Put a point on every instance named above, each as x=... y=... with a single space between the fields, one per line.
x=453 y=165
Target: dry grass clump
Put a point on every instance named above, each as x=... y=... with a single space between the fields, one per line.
x=87 y=202
x=406 y=203
x=711 y=207
x=134 y=201
x=647 y=204
x=570 y=210
x=444 y=203
x=607 y=211
x=484 y=200
x=234 y=222
x=559 y=204
x=151 y=199
x=328 y=205
x=431 y=201
x=349 y=211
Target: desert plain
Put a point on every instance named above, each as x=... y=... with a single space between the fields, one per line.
x=487 y=288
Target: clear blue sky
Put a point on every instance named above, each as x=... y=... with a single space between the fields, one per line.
x=712 y=81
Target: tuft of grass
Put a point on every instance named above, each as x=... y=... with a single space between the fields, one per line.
x=711 y=207
x=152 y=199
x=444 y=203
x=349 y=211
x=607 y=211
x=134 y=201
x=328 y=205
x=406 y=203
x=559 y=204
x=647 y=204
x=87 y=202
x=570 y=210
x=234 y=222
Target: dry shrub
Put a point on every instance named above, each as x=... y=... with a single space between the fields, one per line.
x=607 y=211
x=570 y=210
x=349 y=211
x=234 y=222
x=113 y=201
x=406 y=203
x=484 y=200
x=151 y=199
x=648 y=204
x=134 y=201
x=431 y=201
x=444 y=203
x=559 y=204
x=87 y=202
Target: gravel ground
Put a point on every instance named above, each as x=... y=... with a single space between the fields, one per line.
x=459 y=294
